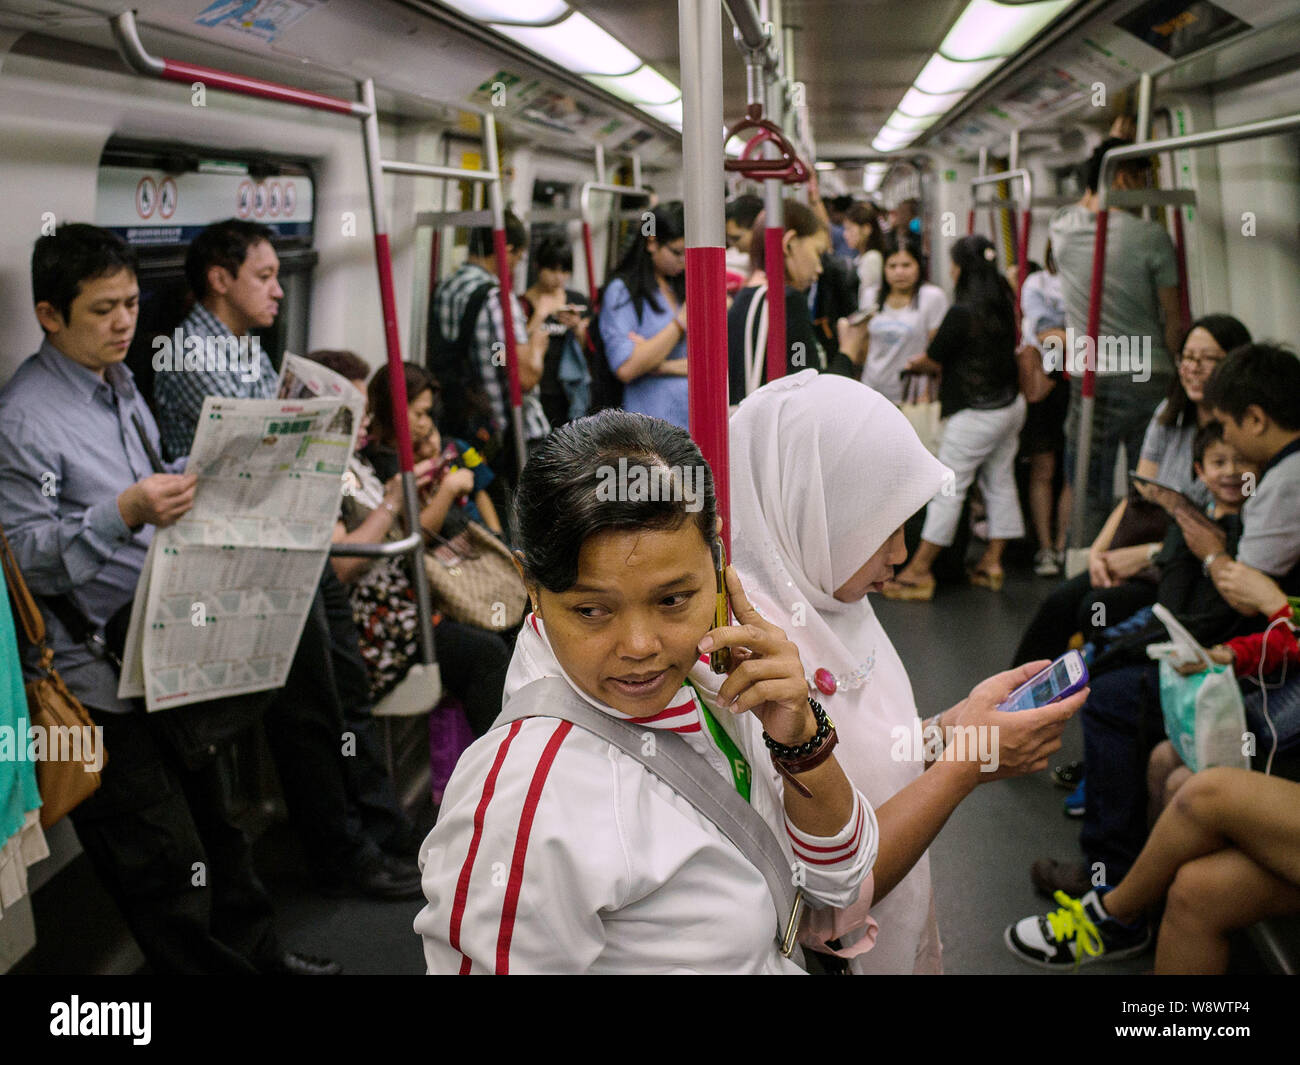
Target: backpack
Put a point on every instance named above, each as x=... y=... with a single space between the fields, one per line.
x=606 y=388
x=467 y=408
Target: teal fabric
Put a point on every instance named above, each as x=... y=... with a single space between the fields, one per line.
x=18 y=792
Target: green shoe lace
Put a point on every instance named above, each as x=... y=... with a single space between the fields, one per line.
x=1071 y=921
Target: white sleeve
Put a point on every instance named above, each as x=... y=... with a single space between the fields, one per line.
x=525 y=856
x=832 y=868
x=934 y=305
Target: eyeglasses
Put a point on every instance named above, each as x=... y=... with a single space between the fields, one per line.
x=1199 y=362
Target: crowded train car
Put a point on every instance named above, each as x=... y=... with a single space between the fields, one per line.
x=718 y=486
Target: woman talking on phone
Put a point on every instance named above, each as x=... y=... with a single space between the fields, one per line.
x=560 y=850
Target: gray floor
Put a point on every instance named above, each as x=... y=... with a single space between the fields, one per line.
x=981 y=859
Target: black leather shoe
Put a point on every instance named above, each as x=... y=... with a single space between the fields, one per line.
x=291 y=964
x=377 y=880
x=1050 y=876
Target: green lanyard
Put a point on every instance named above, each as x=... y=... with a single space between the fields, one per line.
x=739 y=763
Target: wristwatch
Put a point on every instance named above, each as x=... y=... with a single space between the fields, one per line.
x=1208 y=561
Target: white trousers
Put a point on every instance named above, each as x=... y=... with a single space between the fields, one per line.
x=983 y=443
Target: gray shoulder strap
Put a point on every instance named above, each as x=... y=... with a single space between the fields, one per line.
x=687 y=773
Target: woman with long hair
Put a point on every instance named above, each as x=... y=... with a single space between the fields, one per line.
x=906 y=310
x=983 y=412
x=561 y=846
x=864 y=235
x=804 y=241
x=643 y=318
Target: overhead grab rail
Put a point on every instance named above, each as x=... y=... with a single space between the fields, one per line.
x=620 y=192
x=1107 y=198
x=127 y=37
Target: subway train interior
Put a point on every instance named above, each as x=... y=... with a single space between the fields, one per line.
x=921 y=169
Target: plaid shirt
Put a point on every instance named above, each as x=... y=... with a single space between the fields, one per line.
x=450 y=300
x=179 y=394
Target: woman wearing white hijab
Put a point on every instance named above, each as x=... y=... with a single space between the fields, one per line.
x=824 y=472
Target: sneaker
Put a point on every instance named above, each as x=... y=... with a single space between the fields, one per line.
x=1074 y=804
x=1047 y=563
x=1079 y=932
x=1067 y=776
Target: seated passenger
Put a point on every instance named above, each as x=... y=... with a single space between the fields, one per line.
x=81 y=507
x=1224 y=855
x=612 y=869
x=1122 y=719
x=643 y=319
x=1118 y=581
x=814 y=535
x=472 y=661
x=565 y=387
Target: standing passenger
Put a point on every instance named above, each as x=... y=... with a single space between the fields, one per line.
x=862 y=231
x=565 y=387
x=643 y=319
x=908 y=313
x=1140 y=327
x=983 y=412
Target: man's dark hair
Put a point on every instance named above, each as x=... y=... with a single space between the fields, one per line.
x=223 y=244
x=554 y=253
x=1262 y=375
x=1092 y=169
x=560 y=503
x=480 y=237
x=75 y=253
x=842 y=204
x=344 y=363
x=744 y=209
x=1209 y=433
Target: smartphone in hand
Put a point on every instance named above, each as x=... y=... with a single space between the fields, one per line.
x=720 y=659
x=1067 y=675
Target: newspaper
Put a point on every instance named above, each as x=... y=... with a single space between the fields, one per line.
x=225 y=591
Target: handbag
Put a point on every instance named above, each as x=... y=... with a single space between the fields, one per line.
x=475 y=581
x=66 y=776
x=921 y=408
x=1205 y=717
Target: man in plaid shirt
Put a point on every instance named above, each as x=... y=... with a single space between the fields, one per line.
x=232 y=270
x=450 y=302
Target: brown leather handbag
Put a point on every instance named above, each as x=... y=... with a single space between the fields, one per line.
x=66 y=773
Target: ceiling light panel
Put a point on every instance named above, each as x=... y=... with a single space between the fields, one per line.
x=923 y=105
x=988 y=29
x=577 y=44
x=643 y=86
x=942 y=75
x=535 y=12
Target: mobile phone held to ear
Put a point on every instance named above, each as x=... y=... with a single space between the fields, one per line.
x=720 y=658
x=1067 y=675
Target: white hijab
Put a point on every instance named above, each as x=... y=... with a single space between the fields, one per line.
x=823 y=471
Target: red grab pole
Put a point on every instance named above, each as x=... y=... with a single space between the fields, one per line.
x=1180 y=248
x=774 y=250
x=1084 y=456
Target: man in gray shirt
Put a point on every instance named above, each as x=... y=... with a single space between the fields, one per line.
x=1139 y=333
x=77 y=449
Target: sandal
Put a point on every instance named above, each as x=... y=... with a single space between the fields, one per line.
x=981 y=578
x=918 y=591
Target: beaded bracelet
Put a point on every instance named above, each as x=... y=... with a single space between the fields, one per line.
x=791 y=754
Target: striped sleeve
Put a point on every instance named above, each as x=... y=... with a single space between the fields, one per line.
x=511 y=886
x=833 y=867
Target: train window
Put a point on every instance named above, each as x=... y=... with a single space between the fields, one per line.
x=158 y=198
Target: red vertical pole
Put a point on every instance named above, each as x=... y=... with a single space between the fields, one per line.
x=774 y=252
x=970 y=222
x=507 y=316
x=1180 y=248
x=592 y=288
x=1084 y=456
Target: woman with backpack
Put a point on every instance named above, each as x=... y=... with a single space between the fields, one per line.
x=643 y=318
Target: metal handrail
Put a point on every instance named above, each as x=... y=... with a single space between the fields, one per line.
x=452 y=173
x=392 y=548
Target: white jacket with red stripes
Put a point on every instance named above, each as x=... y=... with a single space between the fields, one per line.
x=556 y=853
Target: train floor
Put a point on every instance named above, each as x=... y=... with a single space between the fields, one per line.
x=980 y=860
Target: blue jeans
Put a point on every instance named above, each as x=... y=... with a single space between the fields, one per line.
x=1121 y=413
x=1122 y=722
